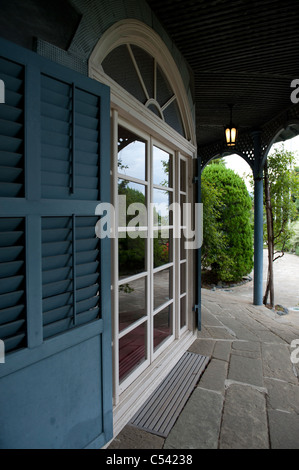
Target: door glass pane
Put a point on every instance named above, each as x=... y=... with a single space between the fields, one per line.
x=162 y=326
x=162 y=287
x=161 y=202
x=132 y=302
x=183 y=209
x=162 y=168
x=182 y=175
x=131 y=154
x=183 y=251
x=163 y=243
x=132 y=205
x=132 y=350
x=131 y=253
x=183 y=311
x=183 y=278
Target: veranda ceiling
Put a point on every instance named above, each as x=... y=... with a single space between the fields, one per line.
x=244 y=52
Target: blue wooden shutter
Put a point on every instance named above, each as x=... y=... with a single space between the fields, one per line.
x=70 y=141
x=54 y=273
x=11 y=130
x=71 y=273
x=12 y=230
x=12 y=283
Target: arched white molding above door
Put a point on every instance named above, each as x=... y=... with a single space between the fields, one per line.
x=130 y=34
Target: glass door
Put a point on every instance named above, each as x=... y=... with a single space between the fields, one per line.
x=133 y=253
x=162 y=243
x=150 y=306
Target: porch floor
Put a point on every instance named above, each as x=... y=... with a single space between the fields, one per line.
x=248 y=396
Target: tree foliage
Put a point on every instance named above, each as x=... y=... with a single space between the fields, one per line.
x=284 y=191
x=281 y=185
x=227 y=234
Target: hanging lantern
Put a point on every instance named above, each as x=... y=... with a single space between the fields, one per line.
x=231 y=131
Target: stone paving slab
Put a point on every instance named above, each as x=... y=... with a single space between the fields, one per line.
x=240 y=331
x=277 y=362
x=210 y=319
x=198 y=425
x=218 y=332
x=246 y=369
x=246 y=346
x=282 y=396
x=215 y=375
x=248 y=396
x=284 y=430
x=222 y=350
x=244 y=423
x=202 y=347
x=134 y=438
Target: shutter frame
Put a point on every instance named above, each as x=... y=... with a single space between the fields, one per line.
x=25 y=202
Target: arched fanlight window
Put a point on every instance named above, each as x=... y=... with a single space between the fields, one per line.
x=139 y=73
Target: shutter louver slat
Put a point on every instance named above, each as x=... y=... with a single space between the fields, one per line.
x=12 y=283
x=57 y=314
x=10 y=253
x=10 y=144
x=10 y=269
x=87 y=158
x=52 y=329
x=11 y=329
x=87 y=269
x=10 y=68
x=87 y=141
x=12 y=131
x=56 y=272
x=11 y=314
x=87 y=304
x=55 y=138
x=69 y=116
x=57 y=278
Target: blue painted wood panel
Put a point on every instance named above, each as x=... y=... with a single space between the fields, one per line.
x=56 y=402
x=55 y=307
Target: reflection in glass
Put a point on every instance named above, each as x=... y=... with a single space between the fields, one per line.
x=161 y=202
x=183 y=251
x=172 y=116
x=131 y=154
x=162 y=171
x=132 y=349
x=132 y=302
x=183 y=208
x=183 y=311
x=135 y=194
x=162 y=247
x=162 y=325
x=131 y=253
x=162 y=287
x=183 y=278
x=182 y=175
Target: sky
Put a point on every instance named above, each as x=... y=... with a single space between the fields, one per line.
x=236 y=163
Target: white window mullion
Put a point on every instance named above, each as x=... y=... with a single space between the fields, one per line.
x=150 y=253
x=138 y=72
x=115 y=308
x=176 y=223
x=189 y=191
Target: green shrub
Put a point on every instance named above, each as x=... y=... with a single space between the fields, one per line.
x=230 y=257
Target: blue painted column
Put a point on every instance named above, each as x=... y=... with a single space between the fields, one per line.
x=258 y=222
x=198 y=299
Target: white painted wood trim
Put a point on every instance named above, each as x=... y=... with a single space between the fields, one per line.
x=139 y=391
x=131 y=31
